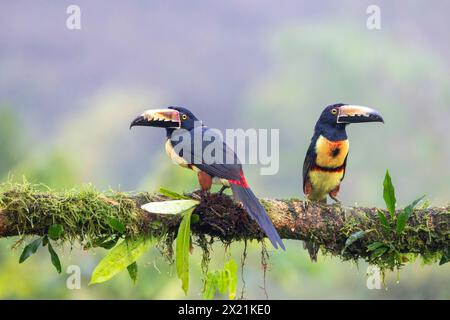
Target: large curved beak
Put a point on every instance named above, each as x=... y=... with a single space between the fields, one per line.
x=356 y=114
x=162 y=118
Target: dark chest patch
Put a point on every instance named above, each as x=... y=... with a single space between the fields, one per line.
x=335 y=152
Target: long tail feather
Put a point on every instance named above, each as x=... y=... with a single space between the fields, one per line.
x=258 y=213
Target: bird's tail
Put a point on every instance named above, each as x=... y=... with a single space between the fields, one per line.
x=257 y=212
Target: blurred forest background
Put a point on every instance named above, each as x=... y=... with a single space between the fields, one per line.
x=67 y=98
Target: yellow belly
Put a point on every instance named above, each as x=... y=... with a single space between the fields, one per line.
x=323 y=183
x=331 y=154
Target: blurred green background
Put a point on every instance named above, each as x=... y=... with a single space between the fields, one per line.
x=67 y=97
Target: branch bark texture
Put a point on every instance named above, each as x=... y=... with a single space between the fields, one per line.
x=85 y=216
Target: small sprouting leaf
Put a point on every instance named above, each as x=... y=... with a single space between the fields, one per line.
x=210 y=286
x=55 y=231
x=54 y=258
x=195 y=218
x=389 y=194
x=353 y=237
x=378 y=252
x=403 y=217
x=30 y=249
x=183 y=243
x=375 y=245
x=170 y=207
x=383 y=220
x=445 y=257
x=231 y=269
x=133 y=271
x=120 y=257
x=173 y=195
x=117 y=225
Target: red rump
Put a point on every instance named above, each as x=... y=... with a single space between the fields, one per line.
x=241 y=182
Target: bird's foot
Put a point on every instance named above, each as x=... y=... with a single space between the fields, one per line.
x=336 y=200
x=222 y=190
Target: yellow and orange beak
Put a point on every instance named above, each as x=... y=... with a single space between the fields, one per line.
x=162 y=118
x=356 y=114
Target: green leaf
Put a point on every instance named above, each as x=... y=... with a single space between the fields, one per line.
x=120 y=257
x=389 y=194
x=29 y=250
x=222 y=281
x=117 y=225
x=54 y=257
x=383 y=220
x=44 y=240
x=210 y=286
x=445 y=257
x=170 y=207
x=133 y=271
x=378 y=252
x=109 y=244
x=231 y=269
x=55 y=231
x=183 y=243
x=195 y=219
x=375 y=245
x=403 y=217
x=353 y=237
x=173 y=195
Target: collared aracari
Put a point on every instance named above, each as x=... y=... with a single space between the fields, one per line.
x=179 y=121
x=326 y=158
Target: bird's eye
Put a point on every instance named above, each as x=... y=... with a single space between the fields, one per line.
x=333 y=111
x=184 y=117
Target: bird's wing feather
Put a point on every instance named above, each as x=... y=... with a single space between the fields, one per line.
x=219 y=168
x=309 y=162
x=345 y=167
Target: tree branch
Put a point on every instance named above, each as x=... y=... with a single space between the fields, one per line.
x=85 y=216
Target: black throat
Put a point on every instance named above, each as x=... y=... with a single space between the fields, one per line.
x=334 y=132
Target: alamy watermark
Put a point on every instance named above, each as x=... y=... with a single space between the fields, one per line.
x=73 y=21
x=374 y=278
x=73 y=281
x=209 y=146
x=373 y=21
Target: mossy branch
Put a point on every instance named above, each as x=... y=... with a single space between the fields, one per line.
x=85 y=214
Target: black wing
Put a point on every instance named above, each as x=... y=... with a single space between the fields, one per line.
x=310 y=160
x=345 y=167
x=225 y=166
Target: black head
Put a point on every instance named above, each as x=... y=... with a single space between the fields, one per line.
x=188 y=119
x=171 y=118
x=336 y=117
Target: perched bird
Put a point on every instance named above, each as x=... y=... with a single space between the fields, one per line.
x=184 y=128
x=326 y=158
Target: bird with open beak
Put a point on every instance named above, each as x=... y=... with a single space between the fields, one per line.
x=326 y=158
x=180 y=122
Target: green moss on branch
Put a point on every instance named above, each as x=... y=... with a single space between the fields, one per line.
x=85 y=214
